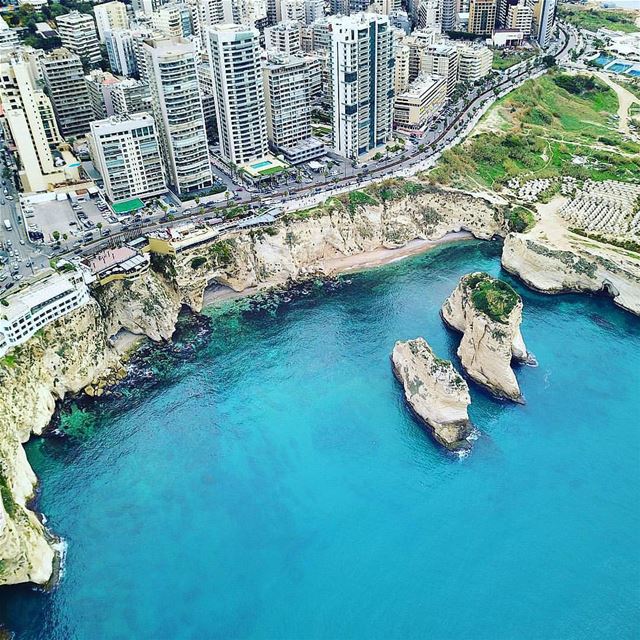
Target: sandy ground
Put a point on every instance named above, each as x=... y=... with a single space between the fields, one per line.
x=345 y=264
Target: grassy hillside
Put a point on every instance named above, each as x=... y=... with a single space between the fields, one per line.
x=594 y=19
x=555 y=125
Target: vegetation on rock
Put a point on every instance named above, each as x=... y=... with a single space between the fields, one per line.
x=491 y=296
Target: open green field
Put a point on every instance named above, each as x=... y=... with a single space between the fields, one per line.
x=502 y=60
x=552 y=126
x=594 y=19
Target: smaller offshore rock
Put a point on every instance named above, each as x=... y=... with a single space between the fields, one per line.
x=435 y=391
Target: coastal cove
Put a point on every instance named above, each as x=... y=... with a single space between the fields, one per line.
x=270 y=482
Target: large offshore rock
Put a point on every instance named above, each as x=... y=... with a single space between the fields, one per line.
x=488 y=313
x=435 y=391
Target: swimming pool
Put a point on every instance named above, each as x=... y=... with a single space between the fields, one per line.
x=262 y=164
x=619 y=67
x=603 y=60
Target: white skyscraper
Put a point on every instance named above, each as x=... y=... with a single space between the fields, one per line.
x=234 y=54
x=177 y=110
x=362 y=76
x=283 y=37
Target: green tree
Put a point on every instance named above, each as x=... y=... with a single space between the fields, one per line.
x=56 y=235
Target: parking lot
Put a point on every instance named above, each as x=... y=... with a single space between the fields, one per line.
x=60 y=219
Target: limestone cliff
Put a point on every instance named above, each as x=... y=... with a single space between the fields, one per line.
x=435 y=391
x=574 y=264
x=305 y=241
x=488 y=313
x=64 y=357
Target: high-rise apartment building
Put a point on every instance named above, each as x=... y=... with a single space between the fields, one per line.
x=78 y=34
x=288 y=102
x=8 y=37
x=177 y=111
x=126 y=152
x=544 y=18
x=100 y=84
x=441 y=60
x=204 y=14
x=518 y=15
x=293 y=10
x=283 y=37
x=130 y=96
x=313 y=10
x=173 y=20
x=482 y=17
x=110 y=16
x=402 y=54
x=29 y=123
x=362 y=75
x=64 y=80
x=234 y=54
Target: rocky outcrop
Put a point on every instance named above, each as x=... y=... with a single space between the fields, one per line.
x=76 y=352
x=488 y=313
x=577 y=265
x=435 y=391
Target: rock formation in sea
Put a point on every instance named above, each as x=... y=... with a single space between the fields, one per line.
x=574 y=264
x=435 y=391
x=488 y=313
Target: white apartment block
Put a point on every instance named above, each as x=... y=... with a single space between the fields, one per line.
x=474 y=62
x=362 y=76
x=204 y=14
x=25 y=312
x=292 y=10
x=419 y=104
x=177 y=110
x=418 y=42
x=110 y=16
x=126 y=152
x=64 y=80
x=8 y=37
x=234 y=54
x=78 y=34
x=288 y=101
x=172 y=20
x=441 y=60
x=283 y=37
x=121 y=52
x=30 y=124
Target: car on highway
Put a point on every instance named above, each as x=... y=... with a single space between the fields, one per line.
x=9 y=285
x=9 y=197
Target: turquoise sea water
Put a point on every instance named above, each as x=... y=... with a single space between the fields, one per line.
x=276 y=486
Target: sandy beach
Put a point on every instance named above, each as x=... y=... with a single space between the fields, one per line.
x=344 y=264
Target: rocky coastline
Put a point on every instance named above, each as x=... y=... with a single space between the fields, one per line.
x=80 y=350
